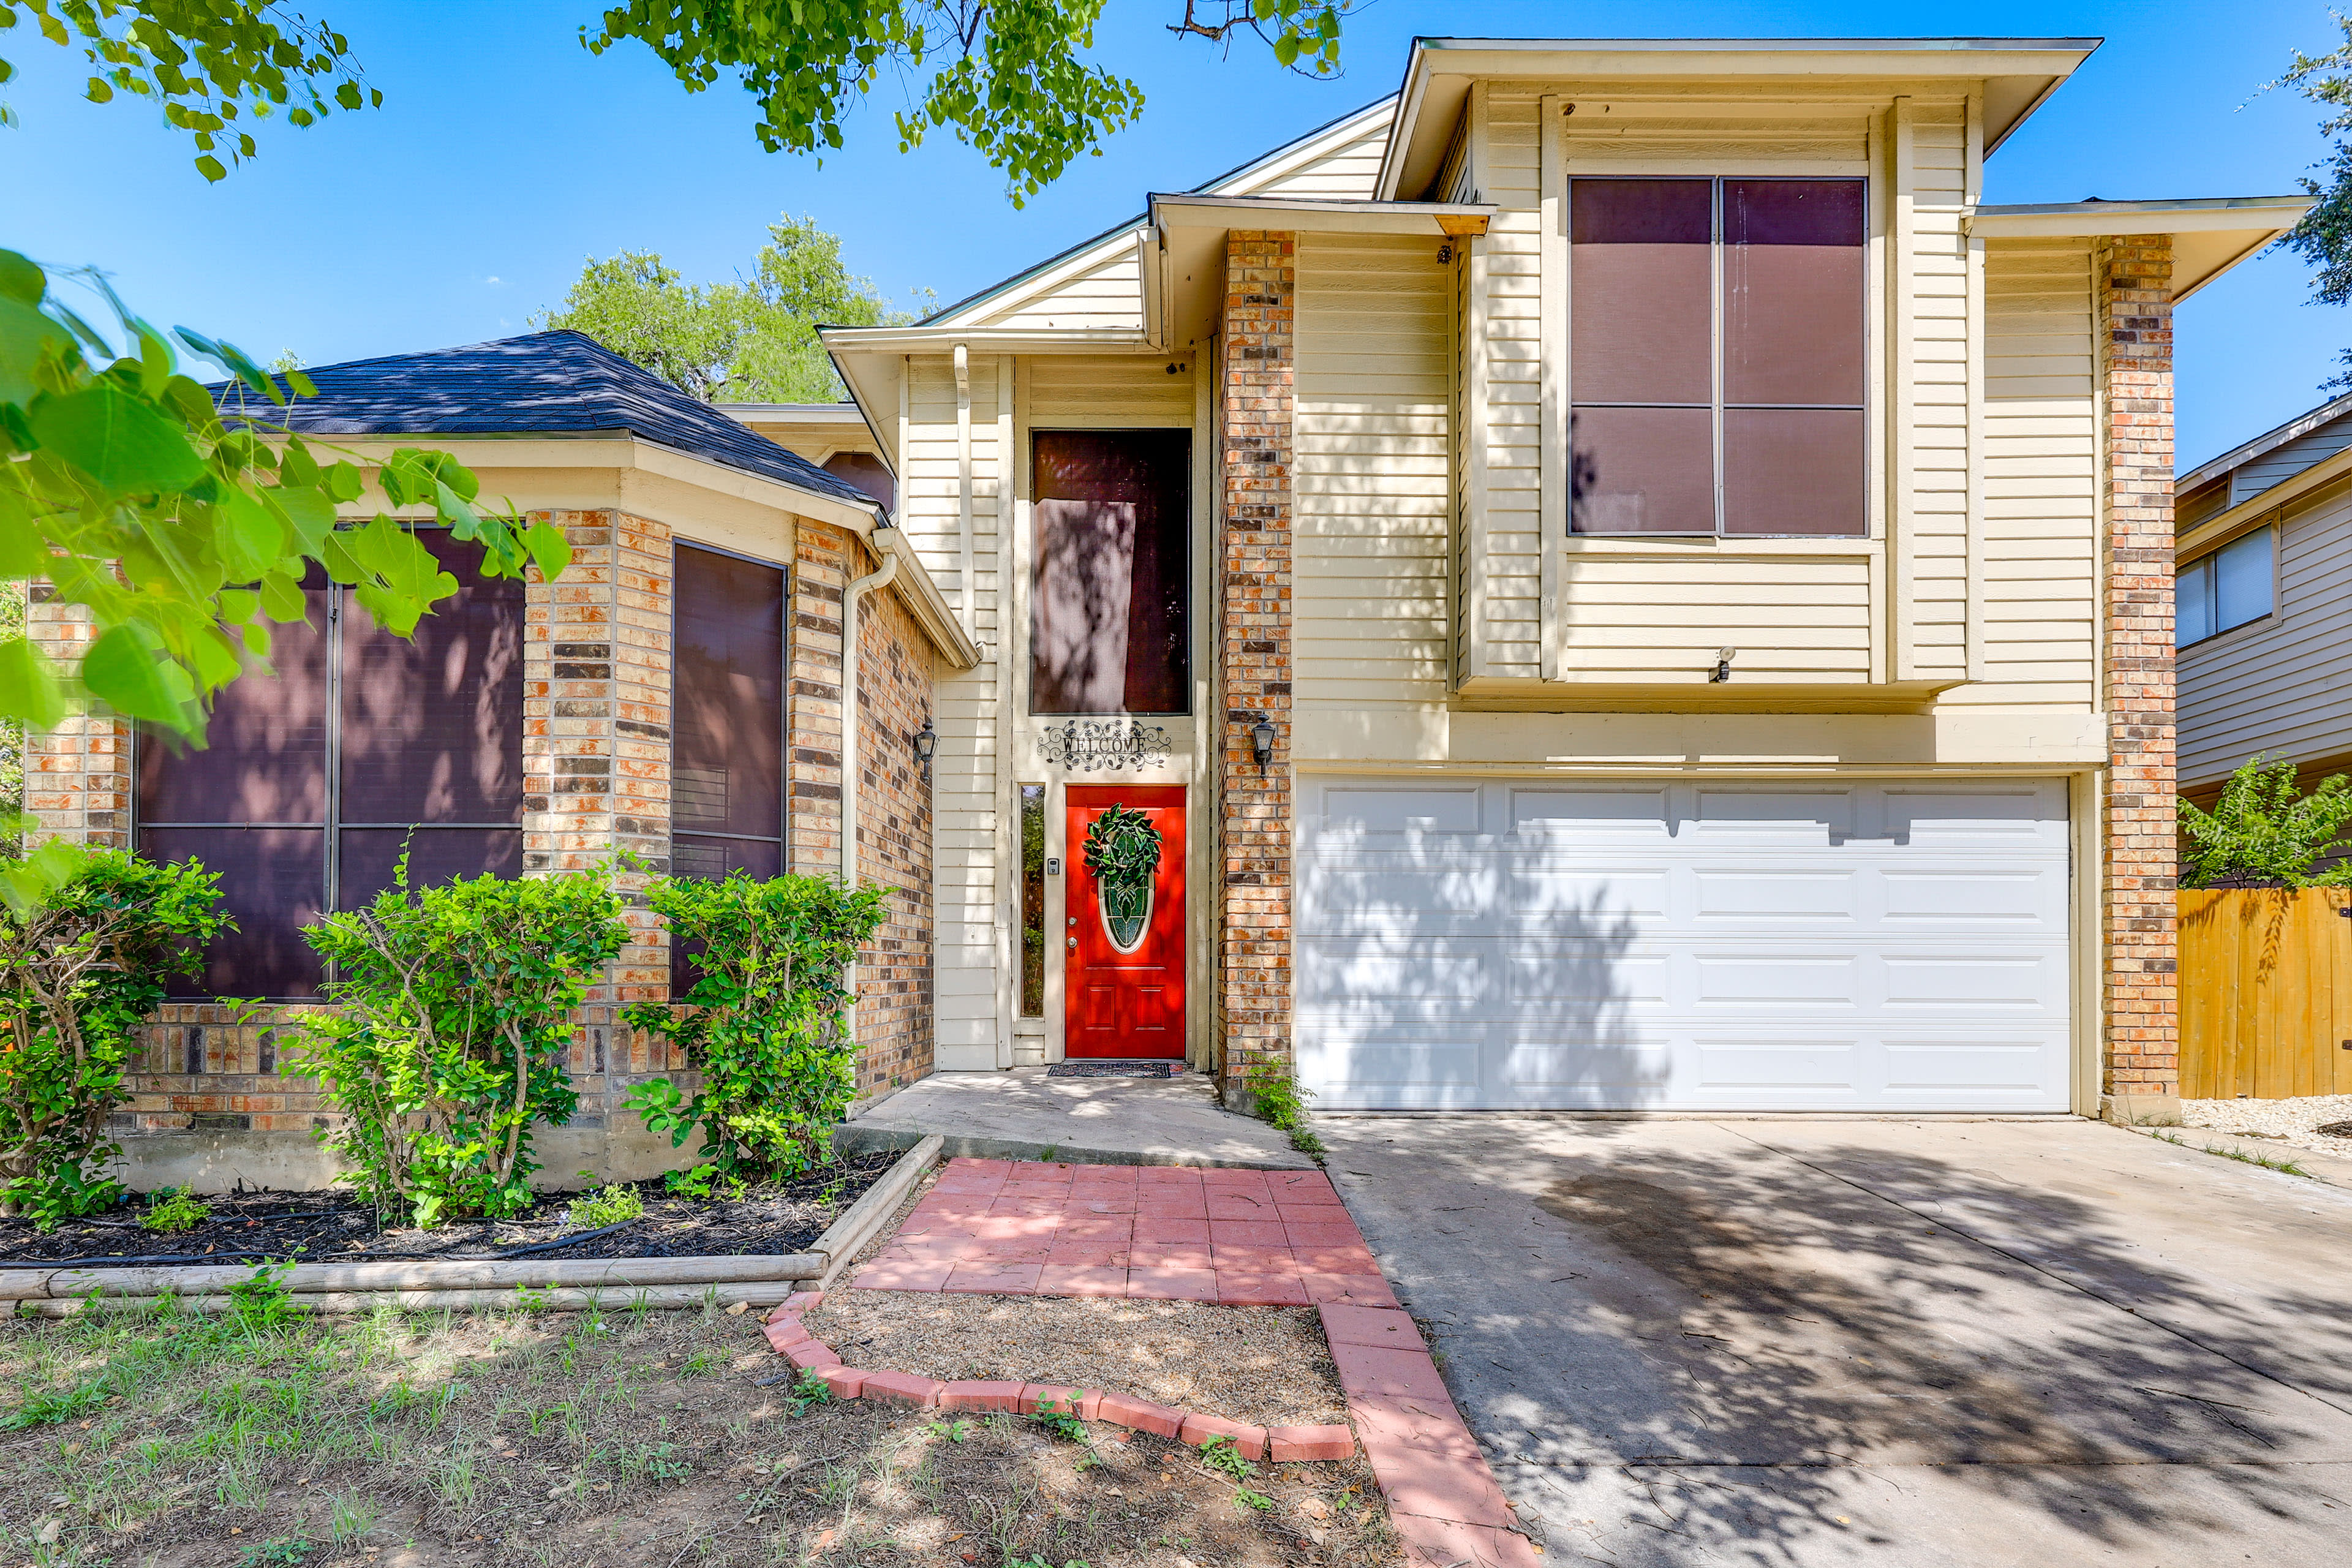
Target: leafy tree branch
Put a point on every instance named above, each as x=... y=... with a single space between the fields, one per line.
x=215 y=66
x=2264 y=830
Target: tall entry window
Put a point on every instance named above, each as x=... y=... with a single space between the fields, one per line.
x=1717 y=356
x=1110 y=626
x=315 y=774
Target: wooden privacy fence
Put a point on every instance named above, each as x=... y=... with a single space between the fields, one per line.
x=2266 y=992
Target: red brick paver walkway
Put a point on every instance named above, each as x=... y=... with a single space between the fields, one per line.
x=1254 y=1238
x=1242 y=1239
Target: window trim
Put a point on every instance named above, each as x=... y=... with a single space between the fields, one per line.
x=1559 y=319
x=2206 y=558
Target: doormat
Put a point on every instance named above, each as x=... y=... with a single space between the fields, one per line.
x=1114 y=1069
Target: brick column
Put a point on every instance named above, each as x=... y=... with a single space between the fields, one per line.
x=596 y=748
x=2140 y=1070
x=822 y=566
x=77 y=775
x=1255 y=406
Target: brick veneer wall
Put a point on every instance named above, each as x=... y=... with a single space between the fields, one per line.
x=894 y=1017
x=1255 y=404
x=894 y=1032
x=77 y=776
x=596 y=750
x=2140 y=1070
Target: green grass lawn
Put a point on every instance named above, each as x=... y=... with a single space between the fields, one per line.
x=578 y=1438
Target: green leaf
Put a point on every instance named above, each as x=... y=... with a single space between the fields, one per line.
x=30 y=692
x=211 y=169
x=281 y=598
x=122 y=443
x=312 y=514
x=549 y=549
x=23 y=552
x=25 y=333
x=249 y=540
x=21 y=279
x=123 y=672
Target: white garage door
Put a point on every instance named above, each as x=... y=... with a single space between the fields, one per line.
x=1493 y=943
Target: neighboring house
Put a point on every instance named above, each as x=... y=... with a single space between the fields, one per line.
x=677 y=694
x=1607 y=580
x=1701 y=576
x=2265 y=573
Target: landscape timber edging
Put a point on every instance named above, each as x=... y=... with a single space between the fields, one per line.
x=479 y=1284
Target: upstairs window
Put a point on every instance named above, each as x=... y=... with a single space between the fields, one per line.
x=1110 y=622
x=1716 y=357
x=2225 y=589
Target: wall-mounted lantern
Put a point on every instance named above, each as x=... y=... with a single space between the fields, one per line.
x=927 y=741
x=1262 y=743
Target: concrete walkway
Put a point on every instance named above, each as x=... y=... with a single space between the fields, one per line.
x=1807 y=1343
x=1022 y=1114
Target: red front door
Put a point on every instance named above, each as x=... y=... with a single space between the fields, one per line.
x=1126 y=1003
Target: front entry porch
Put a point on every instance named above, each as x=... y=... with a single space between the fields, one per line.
x=1022 y=1114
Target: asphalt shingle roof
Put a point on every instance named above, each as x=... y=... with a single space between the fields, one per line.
x=542 y=383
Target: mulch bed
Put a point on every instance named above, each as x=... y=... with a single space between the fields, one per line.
x=322 y=1226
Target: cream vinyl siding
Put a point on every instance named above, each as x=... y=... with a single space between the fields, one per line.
x=1506 y=588
x=966 y=882
x=1933 y=535
x=1346 y=170
x=1106 y=294
x=1647 y=617
x=2281 y=685
x=1371 y=471
x=1097 y=391
x=2039 y=532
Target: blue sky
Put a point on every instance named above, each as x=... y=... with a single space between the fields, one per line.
x=506 y=155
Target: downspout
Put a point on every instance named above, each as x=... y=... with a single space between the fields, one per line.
x=885 y=541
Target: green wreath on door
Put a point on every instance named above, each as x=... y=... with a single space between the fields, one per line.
x=1123 y=853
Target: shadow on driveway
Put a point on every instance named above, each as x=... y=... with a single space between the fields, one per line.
x=1805 y=1342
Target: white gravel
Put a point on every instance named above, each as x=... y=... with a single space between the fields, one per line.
x=2288 y=1122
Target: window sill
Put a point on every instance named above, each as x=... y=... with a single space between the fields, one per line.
x=1671 y=545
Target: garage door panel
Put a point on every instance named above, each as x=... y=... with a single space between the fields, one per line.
x=1752 y=894
x=1775 y=980
x=1585 y=818
x=1363 y=972
x=1973 y=1067
x=1573 y=902
x=2024 y=982
x=1779 y=817
x=1818 y=1066
x=1378 y=813
x=1977 y=898
x=1563 y=975
x=1500 y=942
x=1985 y=816
x=1353 y=1067
x=1559 y=1069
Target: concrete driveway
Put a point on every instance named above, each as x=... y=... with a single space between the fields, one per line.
x=1893 y=1342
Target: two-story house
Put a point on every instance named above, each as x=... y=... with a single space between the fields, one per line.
x=1620 y=582
x=1609 y=579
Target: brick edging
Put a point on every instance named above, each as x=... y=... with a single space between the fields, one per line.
x=1442 y=1496
x=788 y=1336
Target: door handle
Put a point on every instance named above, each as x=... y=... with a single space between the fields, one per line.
x=1074 y=944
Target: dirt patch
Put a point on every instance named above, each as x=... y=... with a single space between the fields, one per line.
x=767 y=1222
x=1265 y=1365
x=589 y=1440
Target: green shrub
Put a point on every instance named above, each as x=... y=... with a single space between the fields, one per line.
x=82 y=964
x=767 y=1025
x=593 y=1211
x=173 y=1210
x=452 y=1016
x=2264 y=830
